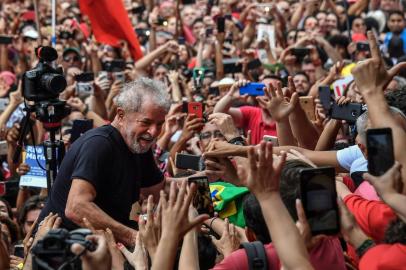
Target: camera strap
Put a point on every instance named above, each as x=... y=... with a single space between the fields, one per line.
x=257 y=259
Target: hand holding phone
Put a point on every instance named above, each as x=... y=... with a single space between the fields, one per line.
x=202 y=200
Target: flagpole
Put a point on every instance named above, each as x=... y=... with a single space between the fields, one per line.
x=53 y=37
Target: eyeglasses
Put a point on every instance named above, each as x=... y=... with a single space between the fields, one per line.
x=73 y=58
x=207 y=135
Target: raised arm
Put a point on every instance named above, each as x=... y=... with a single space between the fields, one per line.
x=371 y=78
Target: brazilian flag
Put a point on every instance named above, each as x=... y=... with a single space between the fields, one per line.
x=227 y=201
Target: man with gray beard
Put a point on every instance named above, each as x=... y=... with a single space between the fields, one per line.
x=105 y=170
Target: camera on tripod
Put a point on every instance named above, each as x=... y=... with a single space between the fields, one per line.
x=54 y=250
x=44 y=82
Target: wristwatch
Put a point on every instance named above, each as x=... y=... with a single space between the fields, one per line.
x=237 y=141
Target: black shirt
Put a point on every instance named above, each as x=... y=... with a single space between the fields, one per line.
x=102 y=158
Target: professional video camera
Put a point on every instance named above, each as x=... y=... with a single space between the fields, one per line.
x=42 y=86
x=54 y=250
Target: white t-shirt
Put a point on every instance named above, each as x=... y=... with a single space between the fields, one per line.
x=352 y=159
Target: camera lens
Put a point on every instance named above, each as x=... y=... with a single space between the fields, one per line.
x=54 y=83
x=353 y=113
x=53 y=243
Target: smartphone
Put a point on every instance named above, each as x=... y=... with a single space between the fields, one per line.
x=325 y=97
x=253 y=89
x=202 y=200
x=114 y=66
x=3 y=103
x=380 y=150
x=195 y=108
x=119 y=76
x=363 y=46
x=272 y=139
x=85 y=77
x=138 y=10
x=300 y=52
x=221 y=24
x=256 y=63
x=2 y=188
x=184 y=106
x=232 y=65
x=349 y=112
x=181 y=40
x=319 y=198
x=209 y=32
x=189 y=2
x=215 y=91
x=79 y=127
x=3 y=148
x=161 y=21
x=19 y=251
x=6 y=40
x=308 y=106
x=186 y=161
x=66 y=35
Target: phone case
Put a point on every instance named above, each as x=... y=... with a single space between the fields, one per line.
x=195 y=108
x=307 y=104
x=253 y=89
x=325 y=97
x=186 y=161
x=349 y=112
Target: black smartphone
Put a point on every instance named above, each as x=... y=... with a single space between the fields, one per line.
x=231 y=65
x=202 y=200
x=300 y=52
x=181 y=40
x=114 y=66
x=85 y=77
x=209 y=32
x=221 y=24
x=215 y=91
x=6 y=40
x=189 y=2
x=66 y=35
x=256 y=63
x=319 y=198
x=138 y=10
x=325 y=97
x=186 y=161
x=162 y=21
x=19 y=251
x=363 y=46
x=380 y=150
x=79 y=127
x=348 y=112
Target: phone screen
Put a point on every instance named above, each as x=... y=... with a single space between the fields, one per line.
x=380 y=150
x=319 y=197
x=19 y=251
x=202 y=199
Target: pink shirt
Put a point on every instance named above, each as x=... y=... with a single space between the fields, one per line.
x=327 y=254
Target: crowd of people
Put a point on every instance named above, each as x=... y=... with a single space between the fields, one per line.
x=200 y=142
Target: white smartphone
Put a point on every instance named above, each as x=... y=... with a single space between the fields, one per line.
x=272 y=139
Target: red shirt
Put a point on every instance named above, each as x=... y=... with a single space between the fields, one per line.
x=372 y=216
x=327 y=254
x=252 y=120
x=384 y=257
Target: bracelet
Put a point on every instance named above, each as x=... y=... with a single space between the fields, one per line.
x=20 y=266
x=364 y=247
x=86 y=110
x=211 y=222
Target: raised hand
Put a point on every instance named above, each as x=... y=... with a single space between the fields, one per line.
x=138 y=258
x=150 y=229
x=263 y=175
x=175 y=221
x=277 y=104
x=229 y=241
x=226 y=125
x=370 y=75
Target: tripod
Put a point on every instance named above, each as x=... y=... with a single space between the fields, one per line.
x=50 y=113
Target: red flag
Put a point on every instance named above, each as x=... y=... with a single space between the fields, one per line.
x=110 y=24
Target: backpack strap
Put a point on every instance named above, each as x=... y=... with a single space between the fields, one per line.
x=257 y=259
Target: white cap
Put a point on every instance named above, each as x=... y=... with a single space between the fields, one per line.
x=30 y=33
x=226 y=82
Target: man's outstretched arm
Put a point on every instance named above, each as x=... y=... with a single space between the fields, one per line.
x=80 y=205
